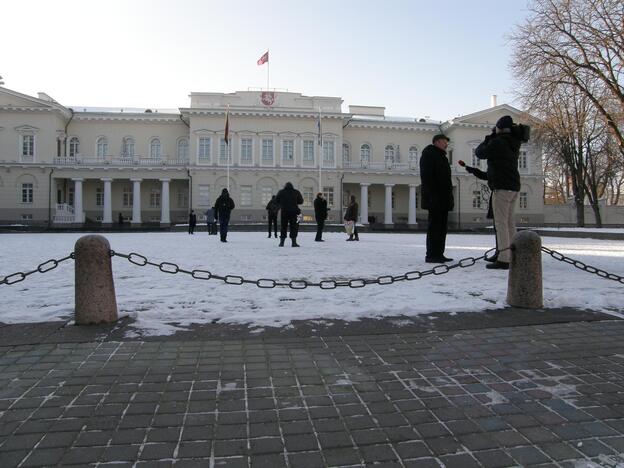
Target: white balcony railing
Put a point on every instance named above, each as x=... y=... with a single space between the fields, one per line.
x=119 y=161
x=380 y=166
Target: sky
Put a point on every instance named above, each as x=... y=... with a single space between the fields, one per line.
x=417 y=58
x=162 y=303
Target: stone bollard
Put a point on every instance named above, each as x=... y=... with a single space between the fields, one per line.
x=524 y=287
x=95 y=290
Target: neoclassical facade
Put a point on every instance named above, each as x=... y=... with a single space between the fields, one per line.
x=62 y=166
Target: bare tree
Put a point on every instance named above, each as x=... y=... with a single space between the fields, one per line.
x=578 y=43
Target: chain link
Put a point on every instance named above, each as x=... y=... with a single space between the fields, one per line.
x=268 y=283
x=582 y=266
x=44 y=267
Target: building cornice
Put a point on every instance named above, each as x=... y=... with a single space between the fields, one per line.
x=381 y=125
x=261 y=113
x=148 y=117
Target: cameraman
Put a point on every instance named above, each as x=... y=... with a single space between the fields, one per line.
x=501 y=149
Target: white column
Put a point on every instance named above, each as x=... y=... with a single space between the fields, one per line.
x=136 y=201
x=411 y=212
x=164 y=202
x=388 y=210
x=364 y=203
x=107 y=217
x=78 y=219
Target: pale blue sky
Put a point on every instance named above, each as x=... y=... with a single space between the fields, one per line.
x=416 y=58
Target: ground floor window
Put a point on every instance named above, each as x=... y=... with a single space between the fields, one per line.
x=26 y=217
x=267 y=194
x=245 y=194
x=523 y=201
x=155 y=198
x=127 y=197
x=308 y=196
x=204 y=195
x=329 y=195
x=476 y=199
x=99 y=196
x=182 y=198
x=27 y=193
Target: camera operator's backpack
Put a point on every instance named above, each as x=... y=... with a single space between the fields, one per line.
x=522 y=132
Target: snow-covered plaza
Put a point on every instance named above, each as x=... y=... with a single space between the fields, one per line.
x=162 y=303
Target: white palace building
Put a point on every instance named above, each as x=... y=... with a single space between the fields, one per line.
x=63 y=166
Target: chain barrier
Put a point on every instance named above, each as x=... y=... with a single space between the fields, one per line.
x=44 y=267
x=267 y=283
x=582 y=266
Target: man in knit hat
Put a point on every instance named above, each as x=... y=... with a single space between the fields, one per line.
x=501 y=149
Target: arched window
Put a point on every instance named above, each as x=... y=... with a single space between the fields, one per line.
x=73 y=147
x=346 y=153
x=183 y=149
x=102 y=147
x=365 y=153
x=127 y=148
x=389 y=153
x=155 y=148
x=413 y=156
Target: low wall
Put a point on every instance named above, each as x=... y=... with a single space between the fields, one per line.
x=565 y=215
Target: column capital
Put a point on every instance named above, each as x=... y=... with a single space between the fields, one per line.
x=413 y=185
x=78 y=179
x=106 y=179
x=135 y=179
x=365 y=184
x=389 y=185
x=165 y=180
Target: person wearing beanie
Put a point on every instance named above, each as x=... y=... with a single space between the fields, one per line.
x=222 y=209
x=289 y=199
x=437 y=197
x=501 y=149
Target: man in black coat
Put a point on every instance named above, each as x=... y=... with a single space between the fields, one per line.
x=289 y=200
x=502 y=149
x=272 y=209
x=222 y=209
x=437 y=196
x=320 y=214
x=192 y=222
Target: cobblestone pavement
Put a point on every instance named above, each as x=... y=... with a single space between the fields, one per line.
x=548 y=395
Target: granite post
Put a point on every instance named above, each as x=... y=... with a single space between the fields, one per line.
x=524 y=287
x=95 y=289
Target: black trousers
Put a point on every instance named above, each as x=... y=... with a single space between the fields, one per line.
x=191 y=228
x=289 y=222
x=320 y=224
x=273 y=223
x=436 y=233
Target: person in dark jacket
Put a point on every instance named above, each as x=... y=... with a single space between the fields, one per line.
x=120 y=219
x=211 y=225
x=352 y=215
x=289 y=200
x=192 y=222
x=501 y=149
x=272 y=209
x=320 y=214
x=479 y=174
x=437 y=196
x=222 y=209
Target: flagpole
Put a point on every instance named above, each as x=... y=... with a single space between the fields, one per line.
x=320 y=150
x=227 y=146
x=268 y=65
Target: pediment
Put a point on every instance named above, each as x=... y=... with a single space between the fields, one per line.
x=26 y=129
x=490 y=116
x=10 y=98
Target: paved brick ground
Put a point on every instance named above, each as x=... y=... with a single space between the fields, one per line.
x=547 y=395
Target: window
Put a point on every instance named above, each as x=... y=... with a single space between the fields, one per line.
x=365 y=153
x=476 y=162
x=523 y=200
x=203 y=149
x=522 y=160
x=127 y=148
x=183 y=149
x=266 y=194
x=26 y=217
x=246 y=151
x=308 y=152
x=182 y=197
x=154 y=199
x=102 y=147
x=245 y=217
x=308 y=196
x=73 y=147
x=288 y=152
x=389 y=154
x=328 y=153
x=245 y=195
x=99 y=196
x=225 y=152
x=329 y=195
x=27 y=193
x=346 y=154
x=476 y=199
x=128 y=196
x=267 y=151
x=70 y=196
x=413 y=156
x=204 y=195
x=155 y=149
x=28 y=145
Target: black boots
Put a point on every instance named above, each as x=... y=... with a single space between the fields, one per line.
x=294 y=243
x=281 y=242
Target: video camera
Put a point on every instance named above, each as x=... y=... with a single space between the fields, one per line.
x=522 y=132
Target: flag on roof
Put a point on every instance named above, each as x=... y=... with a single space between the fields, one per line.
x=264 y=59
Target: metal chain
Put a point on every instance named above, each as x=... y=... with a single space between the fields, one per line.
x=582 y=266
x=266 y=283
x=42 y=268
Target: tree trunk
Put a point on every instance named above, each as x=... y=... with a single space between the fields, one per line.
x=596 y=210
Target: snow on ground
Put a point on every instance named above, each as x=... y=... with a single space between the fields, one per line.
x=163 y=303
